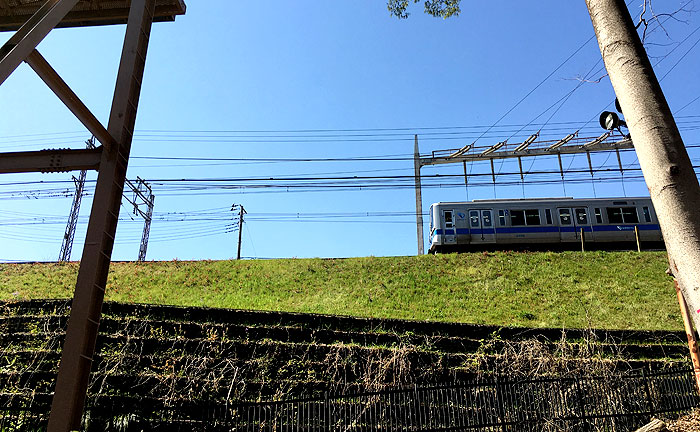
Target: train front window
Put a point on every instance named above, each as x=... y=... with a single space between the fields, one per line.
x=448 y=219
x=474 y=218
x=647 y=214
x=565 y=216
x=581 y=216
x=432 y=228
x=532 y=217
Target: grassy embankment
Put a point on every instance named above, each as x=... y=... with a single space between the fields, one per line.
x=570 y=289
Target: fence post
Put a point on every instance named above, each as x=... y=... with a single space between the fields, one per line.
x=583 y=249
x=581 y=405
x=650 y=402
x=416 y=404
x=326 y=410
x=499 y=405
x=636 y=236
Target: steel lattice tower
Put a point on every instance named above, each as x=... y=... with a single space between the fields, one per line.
x=143 y=195
x=69 y=235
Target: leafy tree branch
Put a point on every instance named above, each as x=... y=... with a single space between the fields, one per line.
x=437 y=8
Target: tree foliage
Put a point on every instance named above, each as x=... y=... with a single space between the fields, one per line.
x=437 y=8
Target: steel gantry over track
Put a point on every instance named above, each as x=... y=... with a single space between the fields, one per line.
x=32 y=21
x=531 y=147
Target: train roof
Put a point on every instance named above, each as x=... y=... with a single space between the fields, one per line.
x=542 y=200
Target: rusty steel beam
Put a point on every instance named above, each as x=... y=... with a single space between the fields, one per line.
x=90 y=13
x=26 y=39
x=86 y=308
x=69 y=98
x=47 y=161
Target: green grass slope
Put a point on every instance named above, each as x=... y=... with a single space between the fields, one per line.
x=625 y=290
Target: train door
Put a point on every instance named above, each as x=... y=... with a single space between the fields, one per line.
x=581 y=220
x=487 y=229
x=450 y=234
x=571 y=220
x=481 y=226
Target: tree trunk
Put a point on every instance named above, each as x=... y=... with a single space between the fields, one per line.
x=667 y=169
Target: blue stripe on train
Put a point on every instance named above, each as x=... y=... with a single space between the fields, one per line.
x=651 y=227
x=536 y=229
x=547 y=229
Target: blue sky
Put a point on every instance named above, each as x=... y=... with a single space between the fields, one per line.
x=238 y=82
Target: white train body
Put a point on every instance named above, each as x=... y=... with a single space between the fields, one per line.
x=542 y=223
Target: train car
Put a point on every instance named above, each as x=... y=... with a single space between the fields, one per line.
x=543 y=223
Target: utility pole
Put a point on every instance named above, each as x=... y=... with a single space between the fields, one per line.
x=419 y=197
x=239 y=222
x=663 y=158
x=240 y=231
x=69 y=235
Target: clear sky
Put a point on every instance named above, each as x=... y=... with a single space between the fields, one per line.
x=267 y=90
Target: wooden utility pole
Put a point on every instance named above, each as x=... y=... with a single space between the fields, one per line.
x=240 y=231
x=667 y=169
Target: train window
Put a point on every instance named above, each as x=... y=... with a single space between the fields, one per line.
x=622 y=215
x=474 y=218
x=581 y=216
x=525 y=217
x=614 y=215
x=532 y=217
x=502 y=217
x=565 y=216
x=548 y=216
x=598 y=216
x=517 y=217
x=647 y=214
x=629 y=215
x=486 y=218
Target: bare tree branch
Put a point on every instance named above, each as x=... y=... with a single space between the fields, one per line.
x=654 y=17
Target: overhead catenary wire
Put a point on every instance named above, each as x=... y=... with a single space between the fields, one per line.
x=175 y=185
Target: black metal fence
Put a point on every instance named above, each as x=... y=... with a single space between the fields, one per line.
x=604 y=403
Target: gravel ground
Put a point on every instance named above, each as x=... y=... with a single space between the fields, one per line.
x=687 y=423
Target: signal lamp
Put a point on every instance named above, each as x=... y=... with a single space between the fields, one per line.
x=610 y=121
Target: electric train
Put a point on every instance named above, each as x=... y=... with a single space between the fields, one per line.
x=543 y=223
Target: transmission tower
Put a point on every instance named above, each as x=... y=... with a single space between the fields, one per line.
x=143 y=195
x=67 y=245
